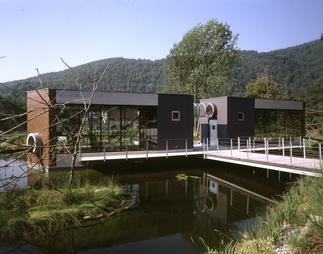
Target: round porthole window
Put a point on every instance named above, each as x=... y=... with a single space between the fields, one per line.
x=34 y=141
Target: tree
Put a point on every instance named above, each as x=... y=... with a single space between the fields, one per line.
x=10 y=109
x=74 y=137
x=314 y=107
x=202 y=62
x=263 y=88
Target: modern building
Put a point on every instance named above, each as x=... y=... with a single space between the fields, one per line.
x=257 y=118
x=107 y=121
x=121 y=121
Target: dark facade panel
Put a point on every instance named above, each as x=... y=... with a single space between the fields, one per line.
x=241 y=117
x=175 y=121
x=222 y=132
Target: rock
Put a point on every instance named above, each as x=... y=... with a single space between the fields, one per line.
x=304 y=232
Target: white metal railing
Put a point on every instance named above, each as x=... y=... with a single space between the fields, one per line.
x=296 y=148
x=305 y=148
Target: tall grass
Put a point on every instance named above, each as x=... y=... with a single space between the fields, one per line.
x=29 y=213
x=301 y=206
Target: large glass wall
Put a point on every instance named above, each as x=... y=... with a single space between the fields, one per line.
x=278 y=123
x=110 y=128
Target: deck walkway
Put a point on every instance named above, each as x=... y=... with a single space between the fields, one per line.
x=296 y=165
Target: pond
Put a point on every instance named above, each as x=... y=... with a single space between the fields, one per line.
x=181 y=209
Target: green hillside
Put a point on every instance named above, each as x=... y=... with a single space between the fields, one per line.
x=294 y=69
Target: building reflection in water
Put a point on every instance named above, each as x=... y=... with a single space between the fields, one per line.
x=171 y=214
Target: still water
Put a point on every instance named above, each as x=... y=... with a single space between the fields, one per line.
x=180 y=209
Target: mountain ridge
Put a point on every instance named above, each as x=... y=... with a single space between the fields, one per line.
x=293 y=68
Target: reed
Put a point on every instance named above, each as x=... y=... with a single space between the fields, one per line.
x=301 y=206
x=30 y=213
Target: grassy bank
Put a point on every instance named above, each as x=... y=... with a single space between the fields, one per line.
x=30 y=213
x=294 y=225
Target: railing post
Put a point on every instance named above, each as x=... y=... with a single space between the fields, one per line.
x=126 y=151
x=203 y=144
x=279 y=143
x=217 y=145
x=291 y=152
x=247 y=149
x=231 y=146
x=283 y=144
x=304 y=151
x=239 y=144
x=265 y=143
x=267 y=147
x=104 y=152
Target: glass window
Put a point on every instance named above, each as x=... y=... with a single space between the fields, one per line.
x=176 y=116
x=240 y=116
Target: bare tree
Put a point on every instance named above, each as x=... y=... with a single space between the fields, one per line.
x=71 y=147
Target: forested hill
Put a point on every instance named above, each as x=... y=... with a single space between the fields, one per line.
x=292 y=68
x=122 y=75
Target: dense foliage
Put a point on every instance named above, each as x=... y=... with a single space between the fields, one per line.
x=128 y=75
x=12 y=112
x=202 y=63
x=263 y=88
x=295 y=70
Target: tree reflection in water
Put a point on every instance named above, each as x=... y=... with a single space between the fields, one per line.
x=172 y=217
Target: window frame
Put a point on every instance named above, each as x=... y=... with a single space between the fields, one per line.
x=176 y=115
x=240 y=116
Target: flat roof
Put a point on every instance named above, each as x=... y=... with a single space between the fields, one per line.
x=106 y=98
x=103 y=97
x=278 y=104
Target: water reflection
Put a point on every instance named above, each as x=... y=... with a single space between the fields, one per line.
x=172 y=216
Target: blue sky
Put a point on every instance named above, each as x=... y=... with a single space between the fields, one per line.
x=37 y=33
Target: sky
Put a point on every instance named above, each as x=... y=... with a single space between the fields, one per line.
x=38 y=33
